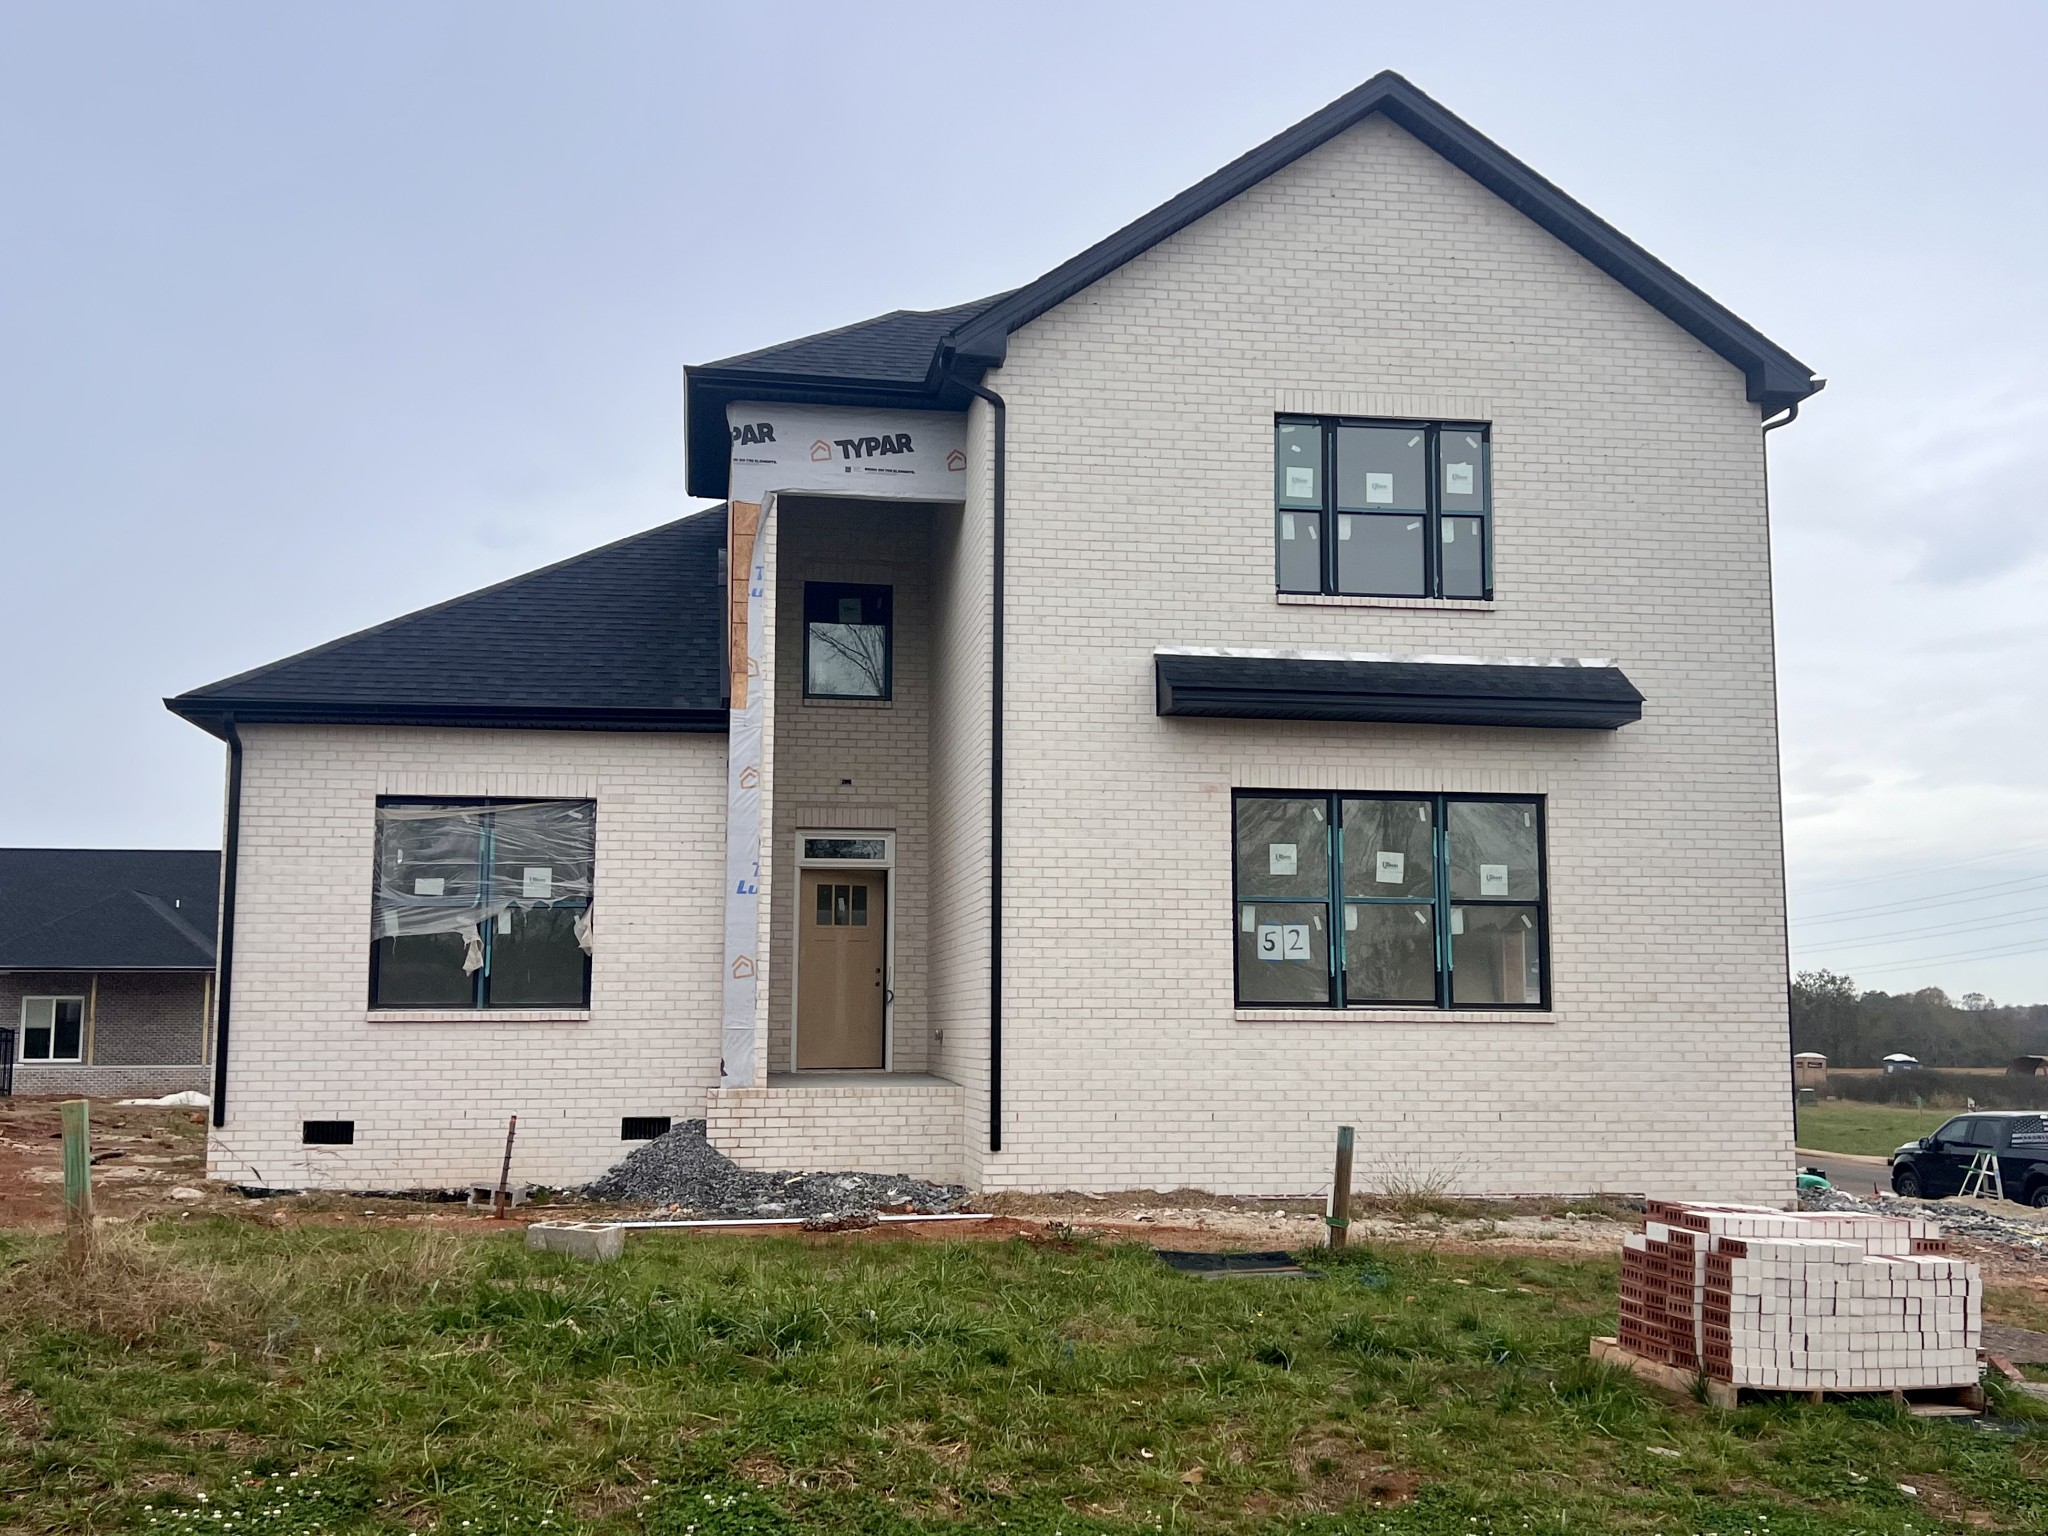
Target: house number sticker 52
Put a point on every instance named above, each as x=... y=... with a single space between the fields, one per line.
x=1283 y=941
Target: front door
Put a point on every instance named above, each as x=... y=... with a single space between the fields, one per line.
x=841 y=955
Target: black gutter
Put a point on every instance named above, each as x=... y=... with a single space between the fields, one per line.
x=995 y=781
x=225 y=967
x=216 y=715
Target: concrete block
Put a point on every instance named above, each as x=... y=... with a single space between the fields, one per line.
x=594 y=1242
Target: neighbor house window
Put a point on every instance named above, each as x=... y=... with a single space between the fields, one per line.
x=847 y=634
x=52 y=1028
x=483 y=904
x=1419 y=901
x=1382 y=508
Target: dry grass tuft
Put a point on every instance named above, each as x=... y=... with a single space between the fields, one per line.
x=127 y=1288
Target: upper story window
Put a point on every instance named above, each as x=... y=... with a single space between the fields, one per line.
x=52 y=1028
x=482 y=904
x=848 y=635
x=1382 y=508
x=1417 y=901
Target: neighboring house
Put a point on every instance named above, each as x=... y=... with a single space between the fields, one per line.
x=106 y=968
x=1305 y=661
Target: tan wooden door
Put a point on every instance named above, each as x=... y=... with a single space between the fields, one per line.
x=841 y=954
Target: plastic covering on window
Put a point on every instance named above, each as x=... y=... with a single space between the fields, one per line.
x=454 y=868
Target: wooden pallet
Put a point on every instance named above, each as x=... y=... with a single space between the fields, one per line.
x=1929 y=1402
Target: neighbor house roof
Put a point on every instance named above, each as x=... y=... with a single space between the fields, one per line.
x=108 y=909
x=919 y=358
x=624 y=638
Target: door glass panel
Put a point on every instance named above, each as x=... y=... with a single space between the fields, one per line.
x=1298 y=551
x=1297 y=464
x=1464 y=458
x=536 y=961
x=824 y=906
x=1382 y=469
x=1283 y=847
x=1283 y=953
x=1496 y=956
x=860 y=906
x=1389 y=953
x=1463 y=561
x=424 y=970
x=1493 y=846
x=839 y=905
x=1381 y=556
x=1388 y=849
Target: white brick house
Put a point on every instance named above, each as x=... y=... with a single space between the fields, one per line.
x=1305 y=661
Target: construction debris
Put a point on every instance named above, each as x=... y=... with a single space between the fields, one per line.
x=682 y=1174
x=1794 y=1301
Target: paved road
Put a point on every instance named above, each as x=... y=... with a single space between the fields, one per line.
x=1855 y=1175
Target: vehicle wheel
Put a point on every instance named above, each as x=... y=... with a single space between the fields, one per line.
x=2039 y=1198
x=1906 y=1182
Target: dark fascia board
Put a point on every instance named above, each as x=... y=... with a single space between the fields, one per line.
x=1396 y=690
x=708 y=390
x=213 y=713
x=1776 y=378
x=11 y=968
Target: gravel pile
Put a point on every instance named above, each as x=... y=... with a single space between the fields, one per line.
x=2020 y=1237
x=682 y=1174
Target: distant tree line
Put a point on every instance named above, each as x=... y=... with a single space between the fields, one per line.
x=1860 y=1029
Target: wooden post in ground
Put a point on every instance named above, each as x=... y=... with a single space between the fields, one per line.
x=1340 y=1190
x=77 y=1178
x=504 y=1194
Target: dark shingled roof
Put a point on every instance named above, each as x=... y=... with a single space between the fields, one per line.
x=627 y=637
x=919 y=359
x=108 y=909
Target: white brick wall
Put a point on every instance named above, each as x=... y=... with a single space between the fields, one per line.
x=429 y=1098
x=884 y=1126
x=1371 y=277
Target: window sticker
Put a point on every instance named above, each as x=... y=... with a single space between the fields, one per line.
x=1351 y=919
x=537 y=882
x=1343 y=529
x=1286 y=525
x=1301 y=482
x=429 y=885
x=1280 y=858
x=1283 y=941
x=1493 y=879
x=1248 y=919
x=1389 y=868
x=1457 y=479
x=1450 y=531
x=505 y=921
x=1457 y=920
x=849 y=610
x=1379 y=489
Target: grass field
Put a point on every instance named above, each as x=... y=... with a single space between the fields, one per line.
x=224 y=1376
x=1872 y=1130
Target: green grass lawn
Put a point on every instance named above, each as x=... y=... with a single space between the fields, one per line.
x=1873 y=1130
x=227 y=1377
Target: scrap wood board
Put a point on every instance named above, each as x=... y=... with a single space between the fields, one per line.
x=1960 y=1399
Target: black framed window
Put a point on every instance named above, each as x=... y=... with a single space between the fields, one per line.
x=1382 y=508
x=483 y=904
x=1385 y=900
x=849 y=634
x=52 y=1028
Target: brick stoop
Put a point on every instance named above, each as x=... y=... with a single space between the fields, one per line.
x=852 y=1122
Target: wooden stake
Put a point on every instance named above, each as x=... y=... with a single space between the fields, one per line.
x=504 y=1195
x=77 y=1177
x=1339 y=1218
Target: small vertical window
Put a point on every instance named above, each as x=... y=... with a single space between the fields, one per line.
x=1382 y=509
x=52 y=1028
x=847 y=641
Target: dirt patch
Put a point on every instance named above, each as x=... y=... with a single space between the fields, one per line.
x=139 y=1155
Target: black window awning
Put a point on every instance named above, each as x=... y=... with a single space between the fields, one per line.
x=1561 y=694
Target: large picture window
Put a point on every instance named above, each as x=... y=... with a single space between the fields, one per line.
x=848 y=632
x=52 y=1028
x=483 y=904
x=1418 y=901
x=1381 y=508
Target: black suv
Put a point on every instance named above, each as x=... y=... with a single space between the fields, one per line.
x=1934 y=1166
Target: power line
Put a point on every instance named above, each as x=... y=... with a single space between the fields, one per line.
x=1928 y=869
x=2032 y=914
x=2027 y=948
x=1894 y=908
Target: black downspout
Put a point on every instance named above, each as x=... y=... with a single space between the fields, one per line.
x=995 y=785
x=224 y=962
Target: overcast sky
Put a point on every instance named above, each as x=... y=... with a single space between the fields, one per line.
x=311 y=315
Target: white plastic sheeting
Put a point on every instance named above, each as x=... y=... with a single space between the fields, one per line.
x=453 y=868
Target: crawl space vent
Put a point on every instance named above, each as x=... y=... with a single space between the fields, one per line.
x=329 y=1133
x=643 y=1127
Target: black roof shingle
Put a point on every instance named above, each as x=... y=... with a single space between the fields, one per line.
x=108 y=909
x=627 y=637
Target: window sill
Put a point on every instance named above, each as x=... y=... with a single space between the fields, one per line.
x=479 y=1016
x=1431 y=604
x=1396 y=1015
x=811 y=703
